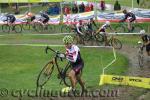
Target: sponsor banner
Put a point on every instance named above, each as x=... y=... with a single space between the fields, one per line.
x=71 y=18
x=27 y=1
x=125 y=80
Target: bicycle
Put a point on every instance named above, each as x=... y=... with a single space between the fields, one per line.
x=93 y=37
x=48 y=69
x=114 y=42
x=122 y=27
x=140 y=54
x=11 y=27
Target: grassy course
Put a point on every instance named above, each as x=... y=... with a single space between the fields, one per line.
x=20 y=65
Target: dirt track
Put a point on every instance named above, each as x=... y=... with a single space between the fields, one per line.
x=134 y=70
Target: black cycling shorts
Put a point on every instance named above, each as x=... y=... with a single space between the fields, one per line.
x=45 y=20
x=132 y=19
x=12 y=20
x=148 y=47
x=32 y=18
x=78 y=67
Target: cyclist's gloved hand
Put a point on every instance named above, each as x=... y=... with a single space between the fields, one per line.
x=61 y=55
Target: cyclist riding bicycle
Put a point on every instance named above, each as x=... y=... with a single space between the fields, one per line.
x=102 y=30
x=73 y=55
x=90 y=24
x=146 y=41
x=131 y=17
x=78 y=30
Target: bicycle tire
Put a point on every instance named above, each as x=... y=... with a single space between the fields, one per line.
x=38 y=27
x=140 y=59
x=44 y=74
x=6 y=28
x=18 y=28
x=66 y=80
x=26 y=26
x=51 y=28
x=137 y=29
x=65 y=29
x=120 y=29
x=99 y=37
x=116 y=43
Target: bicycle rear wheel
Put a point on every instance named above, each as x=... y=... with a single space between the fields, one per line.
x=137 y=29
x=120 y=29
x=38 y=27
x=140 y=59
x=45 y=74
x=18 y=28
x=6 y=28
x=116 y=43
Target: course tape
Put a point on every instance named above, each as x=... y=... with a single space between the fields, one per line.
x=125 y=80
x=43 y=45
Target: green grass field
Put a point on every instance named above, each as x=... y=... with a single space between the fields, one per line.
x=20 y=65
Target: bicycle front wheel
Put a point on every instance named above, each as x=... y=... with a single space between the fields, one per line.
x=6 y=28
x=18 y=28
x=45 y=74
x=116 y=43
x=120 y=29
x=137 y=29
x=140 y=59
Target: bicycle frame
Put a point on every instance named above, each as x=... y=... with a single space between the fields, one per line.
x=61 y=73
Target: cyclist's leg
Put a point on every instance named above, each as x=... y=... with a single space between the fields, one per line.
x=148 y=49
x=81 y=82
x=130 y=28
x=72 y=78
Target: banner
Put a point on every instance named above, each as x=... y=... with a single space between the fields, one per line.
x=125 y=80
x=28 y=1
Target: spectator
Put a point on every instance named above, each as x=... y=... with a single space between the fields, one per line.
x=87 y=8
x=75 y=9
x=81 y=7
x=102 y=5
x=66 y=10
x=117 y=5
x=91 y=7
x=138 y=2
x=56 y=10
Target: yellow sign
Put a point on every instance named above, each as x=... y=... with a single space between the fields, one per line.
x=125 y=80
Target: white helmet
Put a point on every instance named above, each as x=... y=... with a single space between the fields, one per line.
x=142 y=31
x=107 y=22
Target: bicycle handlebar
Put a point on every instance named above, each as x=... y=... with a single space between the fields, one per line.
x=57 y=53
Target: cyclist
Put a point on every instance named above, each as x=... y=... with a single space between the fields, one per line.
x=78 y=30
x=73 y=55
x=29 y=16
x=131 y=17
x=146 y=41
x=90 y=24
x=45 y=17
x=102 y=30
x=10 y=18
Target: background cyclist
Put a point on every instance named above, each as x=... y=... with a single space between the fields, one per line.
x=102 y=30
x=146 y=41
x=10 y=18
x=131 y=17
x=73 y=55
x=78 y=30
